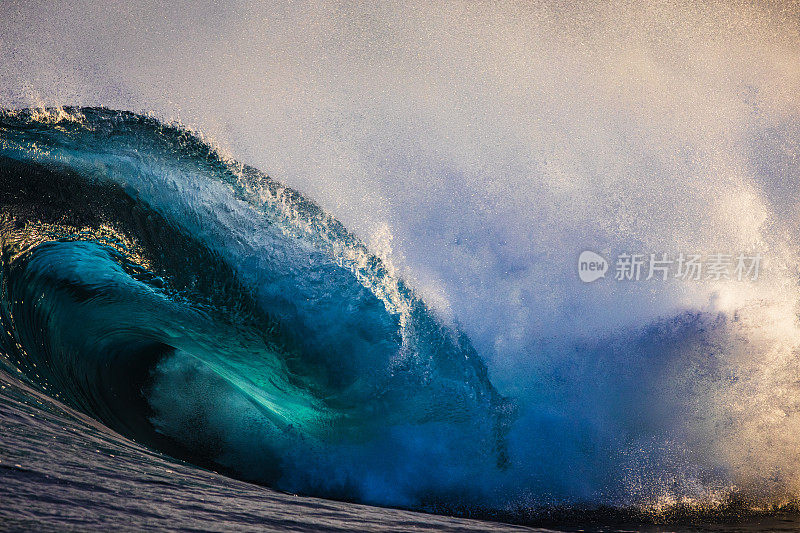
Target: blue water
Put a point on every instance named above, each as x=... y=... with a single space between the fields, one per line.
x=162 y=301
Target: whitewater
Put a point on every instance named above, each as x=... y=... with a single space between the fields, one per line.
x=254 y=262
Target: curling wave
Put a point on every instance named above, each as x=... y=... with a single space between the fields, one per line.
x=201 y=308
x=196 y=305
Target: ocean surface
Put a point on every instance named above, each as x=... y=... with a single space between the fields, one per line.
x=63 y=471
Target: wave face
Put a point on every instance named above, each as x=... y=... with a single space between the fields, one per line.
x=200 y=308
x=196 y=305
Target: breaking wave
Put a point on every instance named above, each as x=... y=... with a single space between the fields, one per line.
x=200 y=307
